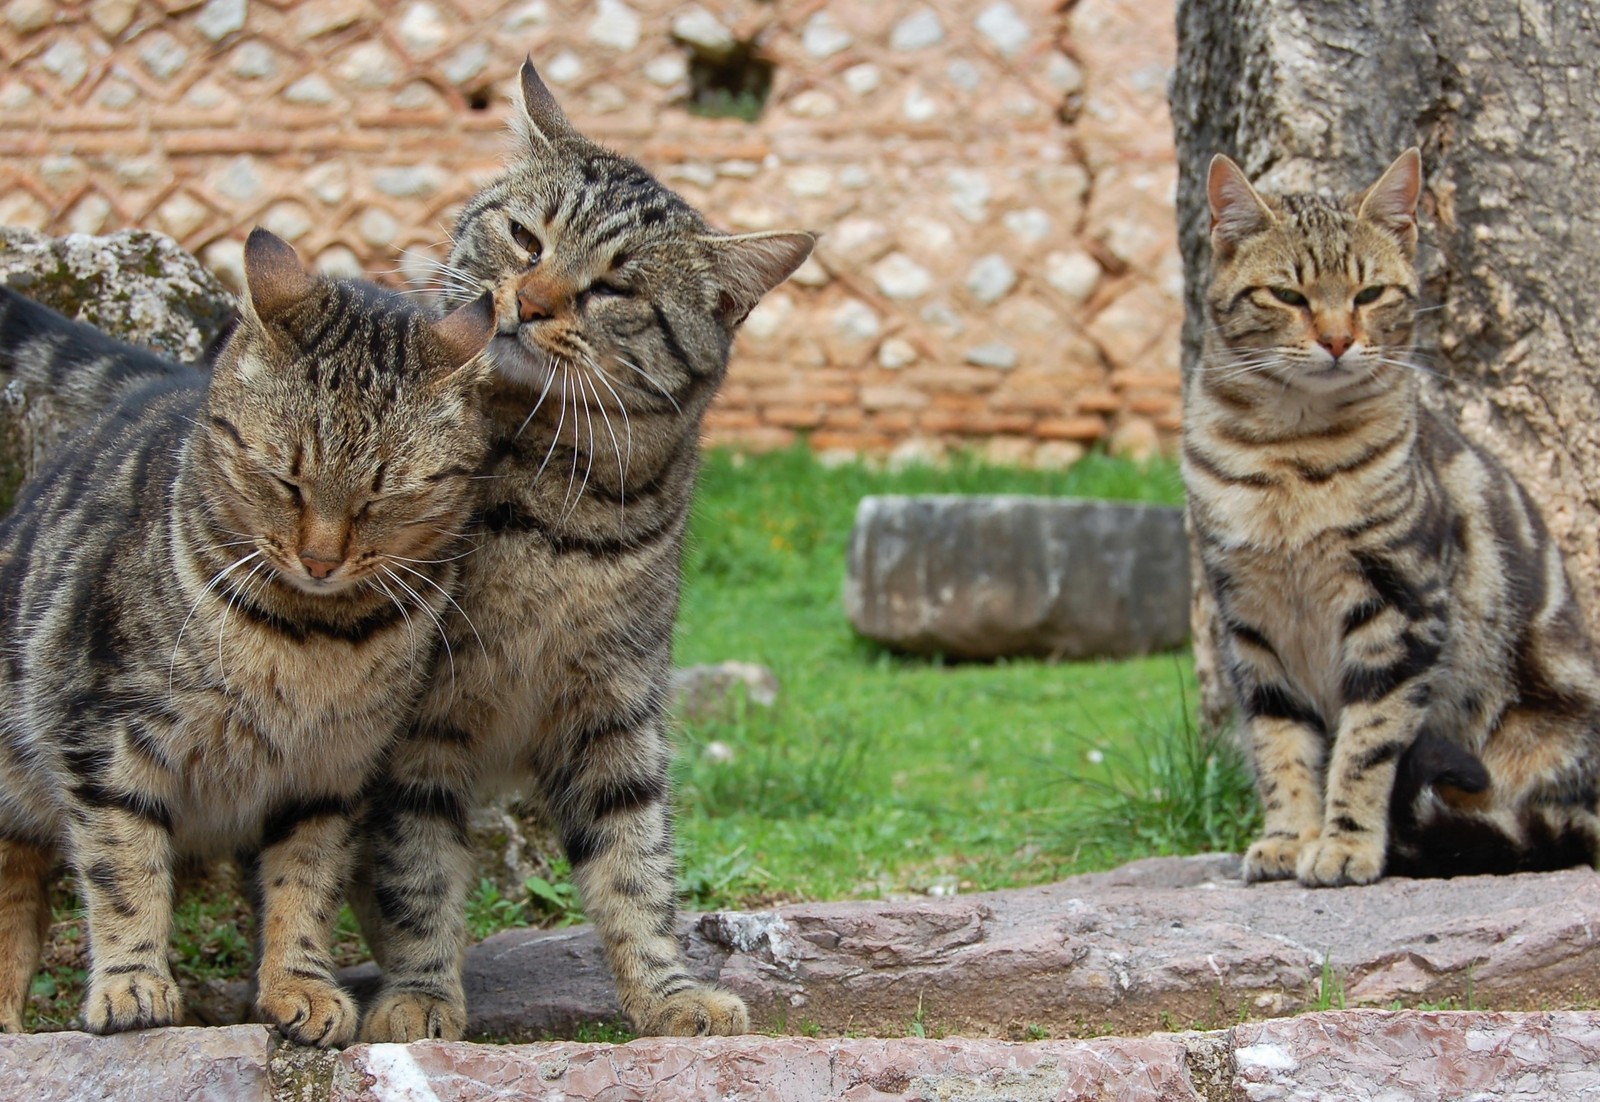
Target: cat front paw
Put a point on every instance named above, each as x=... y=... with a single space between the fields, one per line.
x=1272 y=858
x=1338 y=860
x=697 y=1012
x=403 y=1016
x=309 y=1011
x=132 y=1000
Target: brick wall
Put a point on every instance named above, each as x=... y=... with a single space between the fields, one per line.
x=994 y=177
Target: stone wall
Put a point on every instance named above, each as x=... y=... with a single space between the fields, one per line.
x=994 y=178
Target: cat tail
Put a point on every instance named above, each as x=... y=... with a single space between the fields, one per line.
x=70 y=369
x=1441 y=827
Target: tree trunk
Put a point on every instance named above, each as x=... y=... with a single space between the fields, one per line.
x=1503 y=97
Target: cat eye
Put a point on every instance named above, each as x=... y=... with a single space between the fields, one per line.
x=292 y=490
x=1368 y=295
x=1288 y=297
x=611 y=290
x=526 y=241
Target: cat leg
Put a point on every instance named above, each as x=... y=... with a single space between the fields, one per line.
x=611 y=801
x=24 y=924
x=305 y=859
x=419 y=866
x=1288 y=753
x=122 y=851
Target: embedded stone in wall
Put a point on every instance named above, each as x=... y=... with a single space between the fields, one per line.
x=992 y=576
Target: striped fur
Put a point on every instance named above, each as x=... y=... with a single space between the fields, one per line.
x=616 y=307
x=1417 y=688
x=216 y=607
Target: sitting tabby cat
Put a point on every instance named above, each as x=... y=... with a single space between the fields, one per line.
x=616 y=307
x=215 y=607
x=1416 y=684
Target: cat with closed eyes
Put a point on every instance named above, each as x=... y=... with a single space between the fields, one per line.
x=1418 y=691
x=218 y=607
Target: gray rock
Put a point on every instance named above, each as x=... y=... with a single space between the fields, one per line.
x=705 y=694
x=196 y=1065
x=984 y=577
x=1172 y=941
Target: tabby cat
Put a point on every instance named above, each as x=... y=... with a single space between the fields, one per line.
x=217 y=608
x=1415 y=681
x=616 y=308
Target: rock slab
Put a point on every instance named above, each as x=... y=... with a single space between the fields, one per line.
x=995 y=576
x=1157 y=944
x=195 y=1065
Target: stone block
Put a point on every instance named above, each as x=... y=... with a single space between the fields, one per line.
x=987 y=577
x=197 y=1065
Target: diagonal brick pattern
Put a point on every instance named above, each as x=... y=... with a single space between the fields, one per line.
x=994 y=177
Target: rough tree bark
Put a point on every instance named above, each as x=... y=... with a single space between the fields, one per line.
x=1503 y=97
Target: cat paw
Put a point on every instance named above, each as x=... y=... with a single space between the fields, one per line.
x=309 y=1011
x=1334 y=861
x=133 y=1000
x=697 y=1012
x=1271 y=858
x=403 y=1016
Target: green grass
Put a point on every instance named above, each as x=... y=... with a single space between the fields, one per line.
x=878 y=774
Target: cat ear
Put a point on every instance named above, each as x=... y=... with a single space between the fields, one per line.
x=1391 y=203
x=465 y=331
x=539 y=120
x=1237 y=212
x=749 y=265
x=273 y=274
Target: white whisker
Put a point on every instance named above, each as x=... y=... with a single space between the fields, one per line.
x=453 y=604
x=216 y=579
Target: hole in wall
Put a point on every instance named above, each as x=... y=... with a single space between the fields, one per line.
x=732 y=84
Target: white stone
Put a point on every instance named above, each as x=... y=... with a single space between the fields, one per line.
x=339 y=262
x=963 y=74
x=991 y=278
x=410 y=181
x=240 y=180
x=1023 y=106
x=855 y=320
x=996 y=354
x=666 y=69
x=27 y=16
x=930 y=236
x=141 y=171
x=809 y=181
x=1031 y=225
x=17 y=96
x=466 y=62
x=288 y=219
x=895 y=353
x=225 y=258
x=220 y=18
x=702 y=30
x=606 y=99
x=329 y=183
x=419 y=95
x=253 y=61
x=67 y=62
x=422 y=28
x=526 y=17
x=117 y=94
x=940 y=316
x=62 y=171
x=918 y=106
x=969 y=193
x=162 y=55
x=856 y=237
x=112 y=16
x=310 y=90
x=739 y=169
x=564 y=68
x=1063 y=74
x=917 y=31
x=900 y=277
x=813 y=103
x=823 y=37
x=1001 y=25
x=182 y=214
x=20 y=209
x=1074 y=274
x=377 y=226
x=615 y=25
x=922 y=452
x=696 y=173
x=812 y=273
x=204 y=95
x=369 y=65
x=854 y=177
x=90 y=214
x=862 y=79
x=769 y=316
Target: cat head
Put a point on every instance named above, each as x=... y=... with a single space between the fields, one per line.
x=610 y=291
x=1316 y=294
x=342 y=427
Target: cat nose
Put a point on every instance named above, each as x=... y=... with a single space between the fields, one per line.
x=1337 y=344
x=532 y=305
x=317 y=566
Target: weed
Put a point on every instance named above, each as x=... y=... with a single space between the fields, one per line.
x=489 y=912
x=918 y=1026
x=555 y=900
x=1330 y=987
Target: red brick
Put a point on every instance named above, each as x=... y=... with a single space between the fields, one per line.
x=1071 y=428
x=1099 y=401
x=794 y=417
x=1152 y=403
